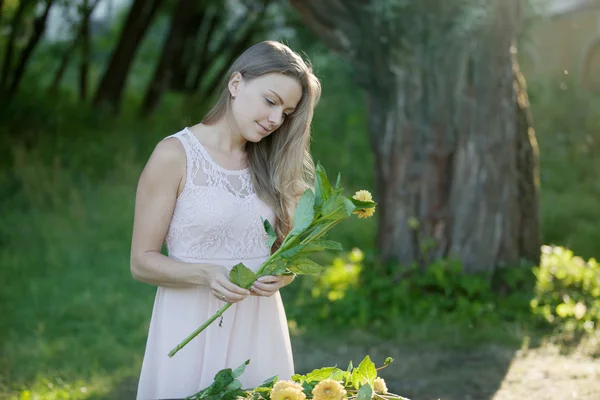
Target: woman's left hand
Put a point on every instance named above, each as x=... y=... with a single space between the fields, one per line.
x=268 y=285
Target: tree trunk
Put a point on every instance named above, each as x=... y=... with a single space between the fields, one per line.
x=112 y=84
x=455 y=161
x=68 y=54
x=39 y=26
x=184 y=60
x=85 y=50
x=10 y=45
x=172 y=46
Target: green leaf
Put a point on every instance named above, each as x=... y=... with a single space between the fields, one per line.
x=338 y=182
x=343 y=376
x=240 y=370
x=362 y=204
x=277 y=267
x=322 y=187
x=367 y=370
x=305 y=266
x=269 y=383
x=272 y=236
x=304 y=214
x=350 y=367
x=242 y=276
x=298 y=378
x=291 y=252
x=388 y=361
x=322 y=244
x=320 y=374
x=356 y=378
x=365 y=392
x=333 y=208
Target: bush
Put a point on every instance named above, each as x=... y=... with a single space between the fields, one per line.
x=567 y=290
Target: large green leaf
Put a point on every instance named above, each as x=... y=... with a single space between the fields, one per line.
x=304 y=266
x=291 y=252
x=365 y=392
x=337 y=207
x=322 y=187
x=367 y=370
x=242 y=276
x=304 y=214
x=271 y=235
x=240 y=370
x=277 y=267
x=322 y=244
x=321 y=374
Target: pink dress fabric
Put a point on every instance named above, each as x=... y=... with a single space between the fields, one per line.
x=218 y=219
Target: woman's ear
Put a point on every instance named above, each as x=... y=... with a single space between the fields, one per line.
x=234 y=84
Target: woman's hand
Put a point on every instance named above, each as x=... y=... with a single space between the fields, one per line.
x=268 y=285
x=222 y=288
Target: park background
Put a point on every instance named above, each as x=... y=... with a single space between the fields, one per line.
x=87 y=89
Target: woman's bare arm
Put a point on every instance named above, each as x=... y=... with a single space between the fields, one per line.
x=159 y=185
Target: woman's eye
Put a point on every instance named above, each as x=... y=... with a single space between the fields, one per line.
x=270 y=101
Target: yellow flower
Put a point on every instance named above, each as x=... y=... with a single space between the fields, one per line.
x=280 y=385
x=329 y=389
x=364 y=195
x=288 y=393
x=379 y=386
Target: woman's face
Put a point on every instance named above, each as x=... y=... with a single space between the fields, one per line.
x=261 y=105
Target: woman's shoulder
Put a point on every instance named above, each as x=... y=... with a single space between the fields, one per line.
x=168 y=156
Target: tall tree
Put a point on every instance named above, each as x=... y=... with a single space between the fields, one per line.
x=213 y=54
x=39 y=27
x=112 y=84
x=456 y=169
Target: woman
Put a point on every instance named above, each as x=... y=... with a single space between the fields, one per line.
x=205 y=191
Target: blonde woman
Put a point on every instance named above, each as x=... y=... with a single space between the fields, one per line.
x=205 y=192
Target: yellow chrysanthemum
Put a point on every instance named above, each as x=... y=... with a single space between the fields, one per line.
x=280 y=385
x=329 y=389
x=289 y=393
x=364 y=195
x=379 y=386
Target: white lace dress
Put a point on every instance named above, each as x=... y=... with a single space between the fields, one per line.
x=217 y=219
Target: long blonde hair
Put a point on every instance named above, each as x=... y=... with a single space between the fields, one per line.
x=281 y=165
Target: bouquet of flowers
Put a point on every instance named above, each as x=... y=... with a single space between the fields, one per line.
x=317 y=212
x=330 y=383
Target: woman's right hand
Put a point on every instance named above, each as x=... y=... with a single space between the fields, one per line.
x=222 y=288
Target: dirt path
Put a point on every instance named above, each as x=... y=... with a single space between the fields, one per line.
x=486 y=372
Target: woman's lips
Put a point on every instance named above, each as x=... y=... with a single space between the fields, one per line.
x=262 y=128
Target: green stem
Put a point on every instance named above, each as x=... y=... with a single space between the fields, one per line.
x=197 y=331
x=220 y=312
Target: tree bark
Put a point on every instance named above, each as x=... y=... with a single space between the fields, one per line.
x=454 y=152
x=173 y=44
x=39 y=26
x=10 y=45
x=112 y=84
x=68 y=54
x=85 y=50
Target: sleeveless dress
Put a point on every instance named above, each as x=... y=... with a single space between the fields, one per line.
x=218 y=219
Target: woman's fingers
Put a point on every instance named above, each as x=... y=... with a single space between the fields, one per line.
x=233 y=288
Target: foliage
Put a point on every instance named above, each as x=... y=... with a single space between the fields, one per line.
x=567 y=290
x=350 y=293
x=327 y=383
x=563 y=290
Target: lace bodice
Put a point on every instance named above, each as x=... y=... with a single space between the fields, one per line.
x=218 y=214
